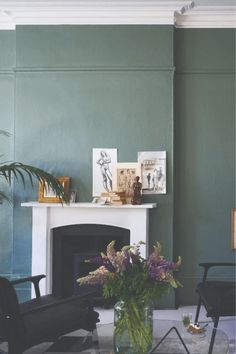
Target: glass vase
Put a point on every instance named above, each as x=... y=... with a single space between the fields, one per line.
x=133 y=321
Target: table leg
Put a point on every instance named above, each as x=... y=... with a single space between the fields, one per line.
x=166 y=335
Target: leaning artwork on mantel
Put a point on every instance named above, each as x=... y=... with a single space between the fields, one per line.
x=124 y=176
x=153 y=171
x=103 y=161
x=47 y=195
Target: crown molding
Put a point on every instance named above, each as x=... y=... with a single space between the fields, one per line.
x=91 y=12
x=181 y=13
x=207 y=17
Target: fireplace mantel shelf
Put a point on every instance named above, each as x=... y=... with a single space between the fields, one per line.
x=88 y=205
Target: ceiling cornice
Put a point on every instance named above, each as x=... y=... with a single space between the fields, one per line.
x=208 y=17
x=181 y=13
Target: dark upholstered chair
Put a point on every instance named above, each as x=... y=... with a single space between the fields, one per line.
x=43 y=319
x=217 y=296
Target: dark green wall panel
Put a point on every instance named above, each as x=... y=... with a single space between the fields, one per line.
x=7 y=50
x=204 y=49
x=86 y=46
x=204 y=176
x=7 y=62
x=88 y=86
x=62 y=116
x=6 y=154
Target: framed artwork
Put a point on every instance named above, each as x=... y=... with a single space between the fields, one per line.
x=153 y=165
x=233 y=228
x=124 y=176
x=47 y=195
x=103 y=162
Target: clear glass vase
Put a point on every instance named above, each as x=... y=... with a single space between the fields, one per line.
x=133 y=321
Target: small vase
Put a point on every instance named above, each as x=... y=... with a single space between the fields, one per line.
x=133 y=321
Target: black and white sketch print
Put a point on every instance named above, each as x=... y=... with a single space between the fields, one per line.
x=153 y=171
x=103 y=161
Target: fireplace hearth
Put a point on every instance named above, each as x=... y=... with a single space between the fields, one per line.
x=72 y=245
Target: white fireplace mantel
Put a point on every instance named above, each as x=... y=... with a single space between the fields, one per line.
x=49 y=215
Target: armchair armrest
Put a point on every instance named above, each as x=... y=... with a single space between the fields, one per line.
x=209 y=265
x=80 y=299
x=35 y=279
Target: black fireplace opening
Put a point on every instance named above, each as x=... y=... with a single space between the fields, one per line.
x=72 y=245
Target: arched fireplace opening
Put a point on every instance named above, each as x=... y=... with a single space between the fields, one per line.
x=72 y=245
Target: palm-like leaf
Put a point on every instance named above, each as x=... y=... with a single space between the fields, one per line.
x=21 y=171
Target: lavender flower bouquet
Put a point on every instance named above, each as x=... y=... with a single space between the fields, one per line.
x=134 y=281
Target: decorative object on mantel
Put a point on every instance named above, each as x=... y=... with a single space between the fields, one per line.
x=113 y=198
x=47 y=195
x=73 y=194
x=137 y=192
x=21 y=172
x=134 y=282
x=124 y=176
x=103 y=162
x=153 y=171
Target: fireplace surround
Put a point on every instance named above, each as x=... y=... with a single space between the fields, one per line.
x=47 y=216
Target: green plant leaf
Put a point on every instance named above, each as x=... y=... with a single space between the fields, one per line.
x=21 y=172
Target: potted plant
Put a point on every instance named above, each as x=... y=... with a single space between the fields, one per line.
x=21 y=172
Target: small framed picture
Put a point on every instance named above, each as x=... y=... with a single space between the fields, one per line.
x=124 y=176
x=47 y=195
x=233 y=228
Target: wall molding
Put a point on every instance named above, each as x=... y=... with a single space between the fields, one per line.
x=92 y=68
x=205 y=72
x=181 y=13
x=92 y=12
x=7 y=72
x=213 y=16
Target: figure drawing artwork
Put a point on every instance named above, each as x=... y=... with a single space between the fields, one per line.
x=153 y=171
x=103 y=162
x=124 y=176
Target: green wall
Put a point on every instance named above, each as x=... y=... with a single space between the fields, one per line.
x=7 y=62
x=67 y=89
x=204 y=176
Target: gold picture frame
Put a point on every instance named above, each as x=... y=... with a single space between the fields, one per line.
x=47 y=195
x=233 y=228
x=123 y=177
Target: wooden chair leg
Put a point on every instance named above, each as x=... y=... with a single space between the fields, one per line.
x=216 y=321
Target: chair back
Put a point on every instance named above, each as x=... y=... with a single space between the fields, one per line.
x=9 y=306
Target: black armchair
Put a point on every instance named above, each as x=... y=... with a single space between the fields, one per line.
x=42 y=319
x=217 y=296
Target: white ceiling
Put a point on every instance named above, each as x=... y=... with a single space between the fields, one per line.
x=181 y=13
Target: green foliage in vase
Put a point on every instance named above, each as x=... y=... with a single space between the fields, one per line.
x=135 y=281
x=133 y=323
x=22 y=172
x=125 y=274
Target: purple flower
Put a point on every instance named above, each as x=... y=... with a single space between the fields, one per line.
x=102 y=261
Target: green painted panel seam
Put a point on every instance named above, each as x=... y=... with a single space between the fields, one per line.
x=6 y=72
x=95 y=68
x=205 y=71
